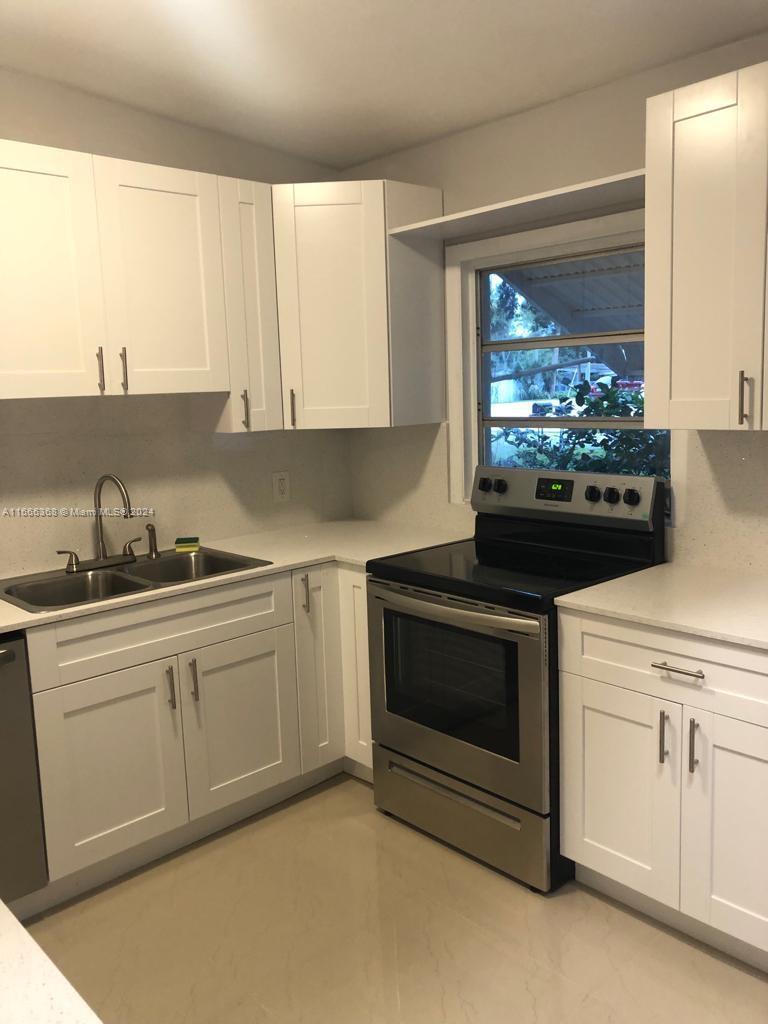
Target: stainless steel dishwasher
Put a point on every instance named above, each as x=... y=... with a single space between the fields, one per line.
x=23 y=867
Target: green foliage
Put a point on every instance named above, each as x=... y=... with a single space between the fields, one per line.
x=595 y=449
x=514 y=316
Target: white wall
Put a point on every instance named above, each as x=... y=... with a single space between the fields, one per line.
x=720 y=479
x=51 y=452
x=37 y=110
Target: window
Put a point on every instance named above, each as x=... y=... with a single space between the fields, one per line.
x=561 y=366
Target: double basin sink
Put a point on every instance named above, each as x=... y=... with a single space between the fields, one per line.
x=55 y=590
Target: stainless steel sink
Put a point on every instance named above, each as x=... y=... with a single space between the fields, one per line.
x=172 y=567
x=63 y=591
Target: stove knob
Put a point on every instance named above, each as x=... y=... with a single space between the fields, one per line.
x=593 y=493
x=499 y=485
x=631 y=496
x=484 y=483
x=611 y=495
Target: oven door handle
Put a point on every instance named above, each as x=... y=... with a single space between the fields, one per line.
x=459 y=616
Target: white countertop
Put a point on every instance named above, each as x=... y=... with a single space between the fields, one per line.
x=349 y=541
x=723 y=604
x=32 y=989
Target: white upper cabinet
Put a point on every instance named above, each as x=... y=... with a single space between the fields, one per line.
x=251 y=297
x=706 y=189
x=163 y=280
x=51 y=309
x=360 y=318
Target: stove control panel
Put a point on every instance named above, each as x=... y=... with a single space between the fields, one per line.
x=629 y=501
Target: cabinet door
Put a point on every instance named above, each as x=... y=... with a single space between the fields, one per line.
x=620 y=787
x=318 y=665
x=353 y=603
x=111 y=756
x=249 y=285
x=725 y=825
x=330 y=253
x=241 y=728
x=163 y=279
x=706 y=186
x=51 y=313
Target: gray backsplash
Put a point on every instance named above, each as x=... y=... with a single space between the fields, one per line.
x=164 y=448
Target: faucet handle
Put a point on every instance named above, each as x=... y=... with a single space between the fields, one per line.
x=73 y=562
x=128 y=546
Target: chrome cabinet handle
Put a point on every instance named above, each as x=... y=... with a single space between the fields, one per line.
x=744 y=380
x=124 y=361
x=698 y=674
x=171 y=687
x=663 y=752
x=293 y=408
x=100 y=361
x=246 y=420
x=195 y=680
x=7 y=656
x=692 y=759
x=305 y=581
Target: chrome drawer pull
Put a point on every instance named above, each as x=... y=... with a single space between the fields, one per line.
x=698 y=674
x=195 y=680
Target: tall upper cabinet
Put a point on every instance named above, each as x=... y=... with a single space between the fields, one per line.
x=705 y=240
x=248 y=252
x=163 y=278
x=51 y=301
x=360 y=313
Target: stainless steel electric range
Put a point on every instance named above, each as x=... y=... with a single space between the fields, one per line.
x=463 y=645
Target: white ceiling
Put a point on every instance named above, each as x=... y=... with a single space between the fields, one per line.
x=341 y=81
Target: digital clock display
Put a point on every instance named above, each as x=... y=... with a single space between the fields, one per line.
x=552 y=489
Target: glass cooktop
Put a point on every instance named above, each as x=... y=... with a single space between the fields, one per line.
x=516 y=576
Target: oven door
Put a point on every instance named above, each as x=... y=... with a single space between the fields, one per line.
x=462 y=687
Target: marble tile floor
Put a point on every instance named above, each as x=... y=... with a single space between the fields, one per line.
x=324 y=911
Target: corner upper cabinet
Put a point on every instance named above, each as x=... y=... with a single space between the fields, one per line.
x=51 y=313
x=705 y=240
x=163 y=279
x=360 y=314
x=251 y=298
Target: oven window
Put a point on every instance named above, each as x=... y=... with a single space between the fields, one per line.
x=456 y=681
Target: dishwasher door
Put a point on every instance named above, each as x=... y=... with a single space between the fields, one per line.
x=23 y=867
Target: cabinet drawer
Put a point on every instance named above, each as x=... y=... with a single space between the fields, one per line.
x=724 y=678
x=64 y=652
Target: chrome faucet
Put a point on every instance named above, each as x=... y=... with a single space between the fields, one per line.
x=152 y=540
x=101 y=549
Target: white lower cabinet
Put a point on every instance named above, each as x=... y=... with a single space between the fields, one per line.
x=353 y=602
x=240 y=718
x=621 y=787
x=111 y=757
x=318 y=665
x=725 y=825
x=664 y=791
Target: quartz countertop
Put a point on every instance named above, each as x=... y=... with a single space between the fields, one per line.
x=349 y=541
x=32 y=989
x=720 y=603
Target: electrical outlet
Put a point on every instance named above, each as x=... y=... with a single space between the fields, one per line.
x=281 y=487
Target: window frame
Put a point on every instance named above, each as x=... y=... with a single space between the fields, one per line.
x=462 y=262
